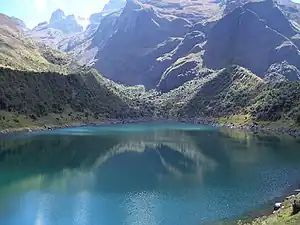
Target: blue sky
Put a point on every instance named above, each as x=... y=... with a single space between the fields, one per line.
x=34 y=11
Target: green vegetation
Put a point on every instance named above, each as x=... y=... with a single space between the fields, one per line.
x=33 y=99
x=282 y=217
x=21 y=53
x=234 y=95
x=231 y=96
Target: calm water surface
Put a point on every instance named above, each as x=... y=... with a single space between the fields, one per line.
x=141 y=174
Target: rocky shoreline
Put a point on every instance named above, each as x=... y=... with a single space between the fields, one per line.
x=254 y=127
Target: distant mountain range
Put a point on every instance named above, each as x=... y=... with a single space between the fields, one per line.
x=220 y=59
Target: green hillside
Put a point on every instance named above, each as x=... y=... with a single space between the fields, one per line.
x=21 y=53
x=33 y=99
x=234 y=95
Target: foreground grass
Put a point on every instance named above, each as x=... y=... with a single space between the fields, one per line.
x=282 y=217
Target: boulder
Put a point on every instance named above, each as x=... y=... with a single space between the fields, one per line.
x=296 y=207
x=277 y=206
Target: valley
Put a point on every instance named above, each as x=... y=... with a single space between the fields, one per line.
x=234 y=63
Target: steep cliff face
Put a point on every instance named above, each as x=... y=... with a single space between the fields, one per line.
x=130 y=51
x=254 y=36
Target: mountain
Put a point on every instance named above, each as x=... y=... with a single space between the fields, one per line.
x=67 y=24
x=40 y=85
x=254 y=36
x=229 y=60
x=101 y=44
x=161 y=35
x=21 y=53
x=138 y=37
x=60 y=28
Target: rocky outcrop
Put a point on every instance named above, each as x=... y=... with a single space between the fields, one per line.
x=67 y=24
x=57 y=16
x=254 y=36
x=182 y=63
x=181 y=72
x=282 y=71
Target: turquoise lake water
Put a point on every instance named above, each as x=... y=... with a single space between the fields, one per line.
x=141 y=174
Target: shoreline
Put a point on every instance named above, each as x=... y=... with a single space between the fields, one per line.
x=253 y=128
x=267 y=208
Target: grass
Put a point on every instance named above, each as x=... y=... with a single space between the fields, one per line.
x=282 y=217
x=240 y=119
x=9 y=120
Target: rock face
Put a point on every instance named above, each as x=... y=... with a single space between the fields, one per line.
x=67 y=24
x=57 y=16
x=113 y=6
x=231 y=5
x=164 y=43
x=254 y=36
x=58 y=30
x=131 y=50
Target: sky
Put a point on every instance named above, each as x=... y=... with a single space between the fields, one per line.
x=33 y=12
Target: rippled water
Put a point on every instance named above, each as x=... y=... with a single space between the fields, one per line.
x=141 y=174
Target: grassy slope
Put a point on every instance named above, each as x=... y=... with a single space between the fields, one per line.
x=34 y=99
x=21 y=53
x=234 y=95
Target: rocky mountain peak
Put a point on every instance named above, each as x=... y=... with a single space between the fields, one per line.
x=113 y=6
x=57 y=16
x=66 y=24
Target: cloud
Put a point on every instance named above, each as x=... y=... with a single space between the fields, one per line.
x=40 y=5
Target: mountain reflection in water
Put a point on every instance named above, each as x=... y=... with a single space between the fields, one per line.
x=140 y=174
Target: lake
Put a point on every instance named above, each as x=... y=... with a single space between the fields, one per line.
x=141 y=174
